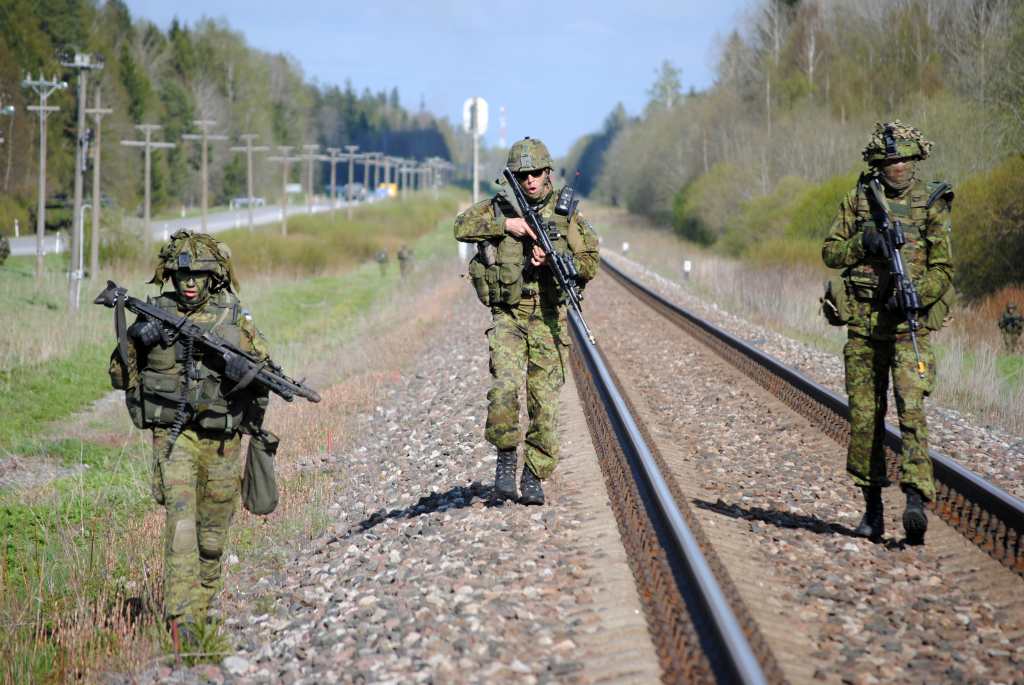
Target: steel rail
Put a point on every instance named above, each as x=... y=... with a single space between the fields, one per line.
x=742 y=665
x=988 y=516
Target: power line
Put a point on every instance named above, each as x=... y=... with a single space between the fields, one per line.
x=351 y=158
x=97 y=114
x=204 y=125
x=148 y=144
x=248 y=150
x=284 y=159
x=44 y=89
x=309 y=157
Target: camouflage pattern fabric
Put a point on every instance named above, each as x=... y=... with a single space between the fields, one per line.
x=200 y=481
x=538 y=338
x=1011 y=324
x=910 y=143
x=868 y=366
x=5 y=249
x=382 y=262
x=405 y=258
x=529 y=154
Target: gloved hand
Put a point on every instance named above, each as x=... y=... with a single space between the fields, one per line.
x=237 y=367
x=893 y=305
x=145 y=333
x=873 y=242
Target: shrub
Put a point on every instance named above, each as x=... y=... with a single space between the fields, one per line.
x=813 y=214
x=701 y=209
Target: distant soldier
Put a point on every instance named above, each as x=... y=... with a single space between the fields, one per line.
x=405 y=258
x=197 y=472
x=5 y=249
x=529 y=328
x=879 y=341
x=382 y=261
x=1011 y=323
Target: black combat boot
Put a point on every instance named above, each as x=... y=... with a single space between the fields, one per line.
x=530 y=485
x=872 y=526
x=505 y=473
x=915 y=521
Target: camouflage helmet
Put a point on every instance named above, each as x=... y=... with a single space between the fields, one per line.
x=1011 y=305
x=188 y=251
x=529 y=154
x=895 y=141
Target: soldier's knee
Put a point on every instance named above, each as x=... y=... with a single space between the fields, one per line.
x=210 y=545
x=183 y=537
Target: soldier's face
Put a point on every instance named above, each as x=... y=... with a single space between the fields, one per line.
x=191 y=285
x=898 y=171
x=532 y=182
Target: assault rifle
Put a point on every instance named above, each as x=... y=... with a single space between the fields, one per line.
x=908 y=301
x=562 y=267
x=266 y=373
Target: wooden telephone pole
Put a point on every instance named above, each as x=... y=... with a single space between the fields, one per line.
x=204 y=125
x=309 y=157
x=284 y=159
x=248 y=150
x=351 y=158
x=148 y=144
x=44 y=89
x=97 y=114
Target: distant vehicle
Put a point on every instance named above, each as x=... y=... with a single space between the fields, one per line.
x=358 y=191
x=244 y=202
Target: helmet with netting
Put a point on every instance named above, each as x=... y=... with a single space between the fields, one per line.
x=188 y=251
x=895 y=141
x=529 y=154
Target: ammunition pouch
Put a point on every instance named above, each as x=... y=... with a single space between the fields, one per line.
x=835 y=302
x=158 y=398
x=259 y=485
x=497 y=274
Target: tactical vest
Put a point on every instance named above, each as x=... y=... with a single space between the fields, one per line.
x=497 y=270
x=870 y=279
x=210 y=403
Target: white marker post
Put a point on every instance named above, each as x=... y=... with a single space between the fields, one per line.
x=625 y=249
x=686 y=270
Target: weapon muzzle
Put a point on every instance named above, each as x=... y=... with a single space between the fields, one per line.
x=108 y=297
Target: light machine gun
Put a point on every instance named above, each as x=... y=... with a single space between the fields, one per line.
x=562 y=267
x=265 y=373
x=908 y=301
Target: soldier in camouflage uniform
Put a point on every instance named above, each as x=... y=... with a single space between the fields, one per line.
x=879 y=340
x=529 y=325
x=382 y=261
x=197 y=477
x=1011 y=323
x=405 y=257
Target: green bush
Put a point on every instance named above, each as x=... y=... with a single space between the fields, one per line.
x=701 y=209
x=988 y=229
x=764 y=217
x=813 y=214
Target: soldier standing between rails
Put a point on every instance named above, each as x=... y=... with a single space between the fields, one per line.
x=879 y=335
x=198 y=477
x=405 y=257
x=1011 y=323
x=529 y=326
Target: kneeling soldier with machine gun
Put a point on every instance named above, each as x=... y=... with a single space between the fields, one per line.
x=196 y=370
x=890 y=218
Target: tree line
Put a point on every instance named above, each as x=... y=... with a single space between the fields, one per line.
x=765 y=153
x=172 y=77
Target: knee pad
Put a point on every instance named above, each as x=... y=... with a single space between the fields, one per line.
x=210 y=545
x=183 y=539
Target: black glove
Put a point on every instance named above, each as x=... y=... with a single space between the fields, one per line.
x=893 y=306
x=874 y=243
x=146 y=333
x=236 y=368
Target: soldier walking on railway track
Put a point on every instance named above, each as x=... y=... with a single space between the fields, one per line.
x=529 y=327
x=879 y=335
x=382 y=261
x=197 y=477
x=1011 y=323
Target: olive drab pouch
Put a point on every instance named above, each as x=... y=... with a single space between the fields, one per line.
x=160 y=394
x=478 y=276
x=938 y=313
x=835 y=302
x=259 y=485
x=133 y=401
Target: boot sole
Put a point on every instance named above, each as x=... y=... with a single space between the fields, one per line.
x=915 y=523
x=510 y=494
x=533 y=500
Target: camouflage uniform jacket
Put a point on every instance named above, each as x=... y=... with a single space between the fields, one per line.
x=1011 y=323
x=486 y=221
x=927 y=256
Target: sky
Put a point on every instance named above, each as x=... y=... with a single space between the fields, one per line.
x=558 y=68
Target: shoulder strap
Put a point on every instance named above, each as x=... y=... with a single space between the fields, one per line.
x=943 y=191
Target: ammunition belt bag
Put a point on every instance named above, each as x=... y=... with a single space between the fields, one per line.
x=835 y=302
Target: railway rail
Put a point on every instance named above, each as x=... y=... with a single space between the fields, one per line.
x=701 y=628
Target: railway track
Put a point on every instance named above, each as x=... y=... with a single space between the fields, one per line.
x=706 y=609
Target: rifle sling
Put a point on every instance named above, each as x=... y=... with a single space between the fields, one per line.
x=248 y=378
x=120 y=324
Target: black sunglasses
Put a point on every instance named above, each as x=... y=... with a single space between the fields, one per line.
x=535 y=173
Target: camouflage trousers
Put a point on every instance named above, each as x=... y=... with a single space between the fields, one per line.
x=1010 y=340
x=868 y=366
x=198 y=483
x=536 y=338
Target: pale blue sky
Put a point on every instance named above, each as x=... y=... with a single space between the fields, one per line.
x=558 y=68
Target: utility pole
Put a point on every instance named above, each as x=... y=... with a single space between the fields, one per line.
x=309 y=157
x=333 y=159
x=284 y=159
x=44 y=89
x=371 y=186
x=97 y=114
x=351 y=158
x=204 y=125
x=248 y=150
x=148 y=144
x=84 y=64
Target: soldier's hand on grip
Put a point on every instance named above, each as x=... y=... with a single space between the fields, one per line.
x=145 y=333
x=236 y=368
x=873 y=242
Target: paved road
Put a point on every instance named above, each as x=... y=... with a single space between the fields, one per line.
x=215 y=223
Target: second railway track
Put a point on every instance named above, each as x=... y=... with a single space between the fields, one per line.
x=759 y=478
